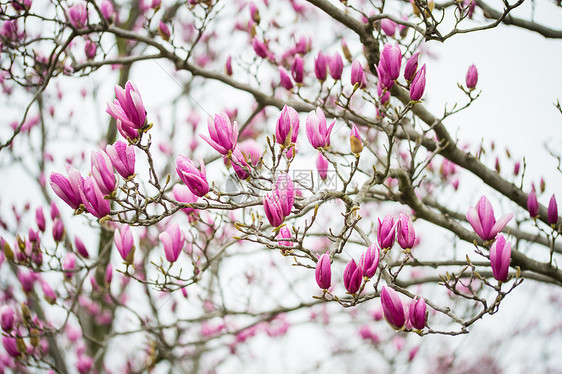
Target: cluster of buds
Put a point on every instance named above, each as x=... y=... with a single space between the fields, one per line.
x=278 y=203
x=353 y=274
x=395 y=313
x=402 y=230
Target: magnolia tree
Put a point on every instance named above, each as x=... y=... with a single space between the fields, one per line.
x=325 y=211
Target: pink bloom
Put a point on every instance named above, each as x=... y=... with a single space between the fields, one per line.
x=273 y=209
x=297 y=69
x=287 y=124
x=107 y=10
x=352 y=277
x=391 y=60
x=388 y=26
x=223 y=134
x=90 y=49
x=10 y=345
x=321 y=67
x=78 y=15
x=7 y=318
x=125 y=244
x=164 y=31
x=417 y=87
x=40 y=219
x=228 y=65
x=84 y=364
x=533 y=204
x=240 y=164
x=357 y=74
x=316 y=131
x=285 y=192
x=386 y=232
x=392 y=308
x=81 y=248
x=102 y=172
x=285 y=79
x=58 y=230
x=259 y=47
x=500 y=257
x=195 y=180
x=48 y=294
x=323 y=271
x=184 y=195
x=336 y=66
x=483 y=221
x=62 y=187
x=173 y=241
x=418 y=313
x=411 y=67
x=284 y=233
x=369 y=261
x=471 y=77
x=552 y=211
x=128 y=108
x=322 y=164
x=405 y=233
x=93 y=199
x=122 y=156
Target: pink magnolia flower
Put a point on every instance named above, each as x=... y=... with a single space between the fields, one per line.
x=184 y=195
x=391 y=61
x=173 y=241
x=388 y=26
x=323 y=271
x=386 y=232
x=195 y=180
x=223 y=134
x=357 y=74
x=62 y=187
x=533 y=204
x=122 y=156
x=418 y=313
x=128 y=109
x=11 y=346
x=58 y=230
x=287 y=124
x=81 y=248
x=471 y=77
x=483 y=221
x=405 y=233
x=285 y=233
x=417 y=87
x=78 y=15
x=124 y=242
x=352 y=277
x=369 y=261
x=107 y=10
x=411 y=67
x=285 y=192
x=297 y=69
x=285 y=79
x=240 y=163
x=102 y=172
x=392 y=308
x=336 y=66
x=40 y=219
x=273 y=209
x=322 y=164
x=321 y=66
x=500 y=257
x=7 y=318
x=93 y=199
x=552 y=211
x=316 y=131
